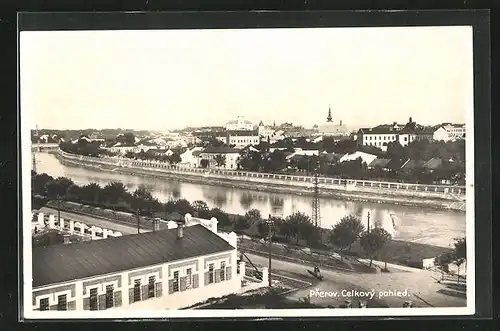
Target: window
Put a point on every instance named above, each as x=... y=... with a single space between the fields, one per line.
x=93 y=299
x=61 y=302
x=176 y=281
x=151 y=287
x=109 y=296
x=222 y=271
x=189 y=277
x=137 y=290
x=211 y=273
x=44 y=304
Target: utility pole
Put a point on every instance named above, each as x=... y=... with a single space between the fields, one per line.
x=270 y=236
x=315 y=203
x=58 y=209
x=368 y=227
x=137 y=215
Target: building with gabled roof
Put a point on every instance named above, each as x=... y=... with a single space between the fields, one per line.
x=230 y=156
x=239 y=124
x=187 y=263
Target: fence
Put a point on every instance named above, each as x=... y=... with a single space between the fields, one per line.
x=408 y=189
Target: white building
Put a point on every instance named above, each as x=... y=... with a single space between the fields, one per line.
x=365 y=157
x=191 y=157
x=228 y=154
x=265 y=131
x=380 y=136
x=240 y=138
x=240 y=124
x=300 y=152
x=164 y=269
x=449 y=132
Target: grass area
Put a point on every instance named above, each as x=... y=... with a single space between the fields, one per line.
x=403 y=252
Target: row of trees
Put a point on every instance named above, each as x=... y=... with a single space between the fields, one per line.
x=116 y=196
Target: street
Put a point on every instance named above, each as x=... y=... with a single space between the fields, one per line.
x=419 y=285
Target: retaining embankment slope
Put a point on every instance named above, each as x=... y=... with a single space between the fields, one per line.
x=217 y=178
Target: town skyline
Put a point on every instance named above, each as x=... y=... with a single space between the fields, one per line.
x=79 y=79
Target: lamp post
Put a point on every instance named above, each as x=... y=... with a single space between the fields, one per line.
x=368 y=227
x=270 y=222
x=59 y=208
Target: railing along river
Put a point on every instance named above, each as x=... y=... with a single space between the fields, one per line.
x=423 y=190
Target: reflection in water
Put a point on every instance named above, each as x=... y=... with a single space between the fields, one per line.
x=416 y=224
x=246 y=200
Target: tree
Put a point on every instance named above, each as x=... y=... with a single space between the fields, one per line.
x=241 y=224
x=346 y=232
x=201 y=209
x=373 y=241
x=204 y=163
x=142 y=199
x=460 y=253
x=114 y=192
x=221 y=216
x=39 y=182
x=300 y=226
x=58 y=187
x=253 y=216
x=182 y=206
x=90 y=192
x=220 y=160
x=175 y=158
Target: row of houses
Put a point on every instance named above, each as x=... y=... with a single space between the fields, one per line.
x=380 y=136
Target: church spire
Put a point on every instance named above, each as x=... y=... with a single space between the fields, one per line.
x=329 y=118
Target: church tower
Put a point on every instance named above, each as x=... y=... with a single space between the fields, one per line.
x=329 y=118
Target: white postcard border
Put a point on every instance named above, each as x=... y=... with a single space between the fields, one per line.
x=29 y=313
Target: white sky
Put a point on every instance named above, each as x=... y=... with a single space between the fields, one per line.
x=166 y=79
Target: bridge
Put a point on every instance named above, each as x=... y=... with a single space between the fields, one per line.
x=44 y=146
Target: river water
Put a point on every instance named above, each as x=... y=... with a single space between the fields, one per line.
x=423 y=225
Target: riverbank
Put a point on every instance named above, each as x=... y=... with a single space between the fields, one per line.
x=384 y=196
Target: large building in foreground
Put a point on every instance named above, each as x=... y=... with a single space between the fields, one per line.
x=166 y=269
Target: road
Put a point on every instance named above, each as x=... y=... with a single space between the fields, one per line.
x=419 y=285
x=124 y=229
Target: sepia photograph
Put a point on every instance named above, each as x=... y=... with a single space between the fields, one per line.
x=252 y=172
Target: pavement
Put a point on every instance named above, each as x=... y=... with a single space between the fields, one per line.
x=421 y=288
x=89 y=220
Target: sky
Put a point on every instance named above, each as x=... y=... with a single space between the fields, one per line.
x=170 y=79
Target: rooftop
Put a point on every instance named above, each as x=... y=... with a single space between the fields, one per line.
x=61 y=263
x=221 y=150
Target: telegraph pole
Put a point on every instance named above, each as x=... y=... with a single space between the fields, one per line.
x=270 y=236
x=315 y=203
x=368 y=227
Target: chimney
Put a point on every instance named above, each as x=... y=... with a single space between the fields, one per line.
x=180 y=230
x=340 y=122
x=410 y=120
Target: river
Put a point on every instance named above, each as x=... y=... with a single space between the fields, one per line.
x=422 y=225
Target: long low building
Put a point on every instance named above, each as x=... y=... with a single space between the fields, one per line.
x=167 y=269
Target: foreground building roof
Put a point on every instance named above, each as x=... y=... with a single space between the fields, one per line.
x=61 y=263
